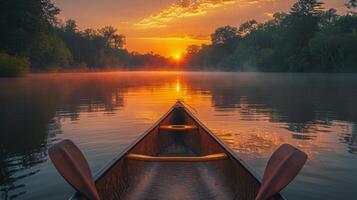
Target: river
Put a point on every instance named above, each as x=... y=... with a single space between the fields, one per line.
x=253 y=113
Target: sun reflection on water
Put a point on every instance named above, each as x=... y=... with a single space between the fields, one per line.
x=178 y=87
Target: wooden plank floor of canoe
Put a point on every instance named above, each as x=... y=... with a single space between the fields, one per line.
x=178 y=180
x=177 y=150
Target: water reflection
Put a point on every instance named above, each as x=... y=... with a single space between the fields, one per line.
x=350 y=138
x=253 y=113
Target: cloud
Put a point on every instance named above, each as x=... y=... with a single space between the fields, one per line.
x=181 y=9
x=191 y=8
x=188 y=38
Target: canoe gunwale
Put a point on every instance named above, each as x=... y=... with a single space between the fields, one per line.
x=230 y=153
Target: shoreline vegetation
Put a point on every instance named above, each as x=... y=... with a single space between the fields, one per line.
x=309 y=38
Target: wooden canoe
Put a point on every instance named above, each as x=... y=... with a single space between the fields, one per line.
x=177 y=158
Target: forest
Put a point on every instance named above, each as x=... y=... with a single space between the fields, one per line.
x=32 y=38
x=309 y=38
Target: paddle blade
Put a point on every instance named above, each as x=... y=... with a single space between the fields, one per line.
x=72 y=165
x=283 y=166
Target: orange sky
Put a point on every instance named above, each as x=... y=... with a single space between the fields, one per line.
x=167 y=27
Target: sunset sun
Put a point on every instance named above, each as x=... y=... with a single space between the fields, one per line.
x=177 y=57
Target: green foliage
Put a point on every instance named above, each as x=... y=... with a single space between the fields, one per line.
x=307 y=39
x=24 y=23
x=247 y=27
x=111 y=39
x=11 y=66
x=30 y=28
x=224 y=35
x=335 y=47
x=58 y=53
x=51 y=52
x=351 y=4
x=26 y=31
x=49 y=11
x=307 y=8
x=102 y=48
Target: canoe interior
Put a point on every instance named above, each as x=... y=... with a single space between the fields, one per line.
x=218 y=179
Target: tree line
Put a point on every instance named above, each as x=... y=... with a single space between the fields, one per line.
x=32 y=35
x=309 y=38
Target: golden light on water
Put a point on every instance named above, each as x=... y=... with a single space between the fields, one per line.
x=178 y=87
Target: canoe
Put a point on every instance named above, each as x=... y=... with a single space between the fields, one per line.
x=177 y=158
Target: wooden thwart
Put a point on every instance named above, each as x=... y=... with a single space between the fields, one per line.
x=178 y=127
x=211 y=157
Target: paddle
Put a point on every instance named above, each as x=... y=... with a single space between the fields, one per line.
x=71 y=164
x=282 y=168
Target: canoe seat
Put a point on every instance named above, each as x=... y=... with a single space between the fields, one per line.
x=211 y=157
x=178 y=127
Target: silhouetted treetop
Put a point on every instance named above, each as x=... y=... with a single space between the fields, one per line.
x=224 y=35
x=71 y=26
x=111 y=39
x=247 y=27
x=49 y=11
x=351 y=4
x=307 y=7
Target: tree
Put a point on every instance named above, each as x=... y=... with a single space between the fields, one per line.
x=111 y=39
x=300 y=26
x=58 y=54
x=49 y=11
x=24 y=23
x=30 y=29
x=351 y=4
x=26 y=27
x=307 y=8
x=117 y=41
x=247 y=27
x=89 y=33
x=224 y=35
x=308 y=38
x=71 y=26
x=328 y=17
x=191 y=56
x=13 y=66
x=279 y=17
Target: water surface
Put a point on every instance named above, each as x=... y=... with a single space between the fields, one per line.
x=253 y=113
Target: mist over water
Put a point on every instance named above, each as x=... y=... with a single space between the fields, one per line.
x=253 y=113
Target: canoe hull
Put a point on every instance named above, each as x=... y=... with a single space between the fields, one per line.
x=228 y=178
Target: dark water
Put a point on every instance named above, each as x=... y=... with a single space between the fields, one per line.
x=252 y=112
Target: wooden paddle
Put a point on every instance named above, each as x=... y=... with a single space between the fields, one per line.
x=283 y=166
x=72 y=165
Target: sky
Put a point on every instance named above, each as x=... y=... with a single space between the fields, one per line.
x=167 y=27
